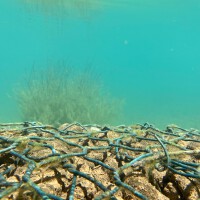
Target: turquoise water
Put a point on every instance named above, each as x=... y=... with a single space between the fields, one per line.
x=147 y=52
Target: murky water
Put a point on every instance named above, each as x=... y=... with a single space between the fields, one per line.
x=146 y=52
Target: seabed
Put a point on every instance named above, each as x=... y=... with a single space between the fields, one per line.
x=78 y=161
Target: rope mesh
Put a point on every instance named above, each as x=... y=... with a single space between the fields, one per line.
x=79 y=161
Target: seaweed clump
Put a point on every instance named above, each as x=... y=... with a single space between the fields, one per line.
x=60 y=94
x=83 y=9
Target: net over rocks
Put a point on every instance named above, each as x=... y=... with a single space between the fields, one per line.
x=78 y=161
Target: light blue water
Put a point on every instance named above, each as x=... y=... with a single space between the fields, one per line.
x=148 y=52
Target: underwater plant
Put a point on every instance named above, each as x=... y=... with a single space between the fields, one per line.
x=79 y=8
x=60 y=94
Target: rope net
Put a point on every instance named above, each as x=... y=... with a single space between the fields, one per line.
x=78 y=161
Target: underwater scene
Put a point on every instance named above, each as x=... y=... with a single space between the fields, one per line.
x=100 y=99
x=103 y=62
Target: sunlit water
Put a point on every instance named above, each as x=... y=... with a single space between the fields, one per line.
x=147 y=52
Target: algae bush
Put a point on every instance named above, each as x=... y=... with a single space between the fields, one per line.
x=84 y=9
x=59 y=94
